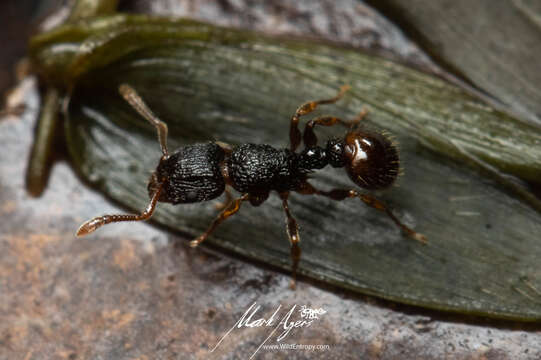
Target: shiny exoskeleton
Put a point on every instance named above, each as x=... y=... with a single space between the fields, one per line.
x=201 y=172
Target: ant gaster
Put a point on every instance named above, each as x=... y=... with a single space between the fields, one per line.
x=201 y=172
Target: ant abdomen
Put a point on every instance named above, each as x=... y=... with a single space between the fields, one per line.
x=371 y=159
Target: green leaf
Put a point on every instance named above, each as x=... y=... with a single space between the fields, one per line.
x=212 y=83
x=492 y=44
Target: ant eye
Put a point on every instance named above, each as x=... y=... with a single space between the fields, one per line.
x=371 y=159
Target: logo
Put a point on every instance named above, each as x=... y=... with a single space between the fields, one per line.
x=280 y=324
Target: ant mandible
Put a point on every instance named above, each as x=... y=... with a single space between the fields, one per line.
x=201 y=172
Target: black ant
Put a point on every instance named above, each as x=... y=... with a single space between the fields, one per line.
x=201 y=172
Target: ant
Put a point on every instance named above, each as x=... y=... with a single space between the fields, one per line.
x=201 y=172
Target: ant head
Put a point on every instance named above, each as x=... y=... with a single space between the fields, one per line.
x=370 y=159
x=157 y=180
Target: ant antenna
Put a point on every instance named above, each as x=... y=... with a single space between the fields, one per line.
x=97 y=222
x=131 y=96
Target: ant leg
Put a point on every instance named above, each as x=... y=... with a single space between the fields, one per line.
x=310 y=138
x=306 y=108
x=97 y=222
x=230 y=209
x=340 y=194
x=360 y=116
x=228 y=199
x=293 y=234
x=131 y=96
